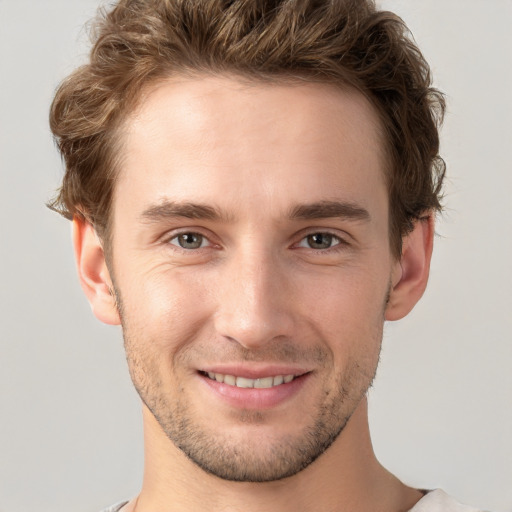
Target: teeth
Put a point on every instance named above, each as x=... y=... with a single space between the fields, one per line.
x=279 y=379
x=229 y=379
x=242 y=382
x=266 y=382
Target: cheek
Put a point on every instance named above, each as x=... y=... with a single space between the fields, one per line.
x=348 y=310
x=164 y=307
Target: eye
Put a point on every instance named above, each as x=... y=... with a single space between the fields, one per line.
x=189 y=241
x=320 y=241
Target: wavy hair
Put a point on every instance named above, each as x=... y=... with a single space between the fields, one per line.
x=348 y=43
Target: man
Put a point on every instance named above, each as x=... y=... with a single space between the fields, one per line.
x=253 y=188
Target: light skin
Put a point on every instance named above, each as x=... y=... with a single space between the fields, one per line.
x=250 y=241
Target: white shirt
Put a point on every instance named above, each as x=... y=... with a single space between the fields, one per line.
x=434 y=501
x=438 y=501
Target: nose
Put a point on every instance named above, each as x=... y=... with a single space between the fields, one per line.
x=254 y=302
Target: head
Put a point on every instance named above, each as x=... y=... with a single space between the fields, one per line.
x=253 y=190
x=348 y=44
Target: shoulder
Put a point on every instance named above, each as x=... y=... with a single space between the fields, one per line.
x=115 y=508
x=438 y=501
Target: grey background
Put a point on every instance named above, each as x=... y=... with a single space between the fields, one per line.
x=70 y=428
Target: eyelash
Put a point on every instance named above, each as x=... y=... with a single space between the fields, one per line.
x=339 y=244
x=338 y=241
x=195 y=233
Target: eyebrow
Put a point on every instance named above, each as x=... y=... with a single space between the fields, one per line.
x=319 y=210
x=172 y=209
x=330 y=209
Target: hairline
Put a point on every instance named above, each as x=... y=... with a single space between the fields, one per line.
x=247 y=78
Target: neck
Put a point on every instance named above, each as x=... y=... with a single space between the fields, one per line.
x=347 y=477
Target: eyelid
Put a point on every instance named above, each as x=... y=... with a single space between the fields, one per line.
x=168 y=237
x=201 y=246
x=175 y=233
x=336 y=241
x=342 y=239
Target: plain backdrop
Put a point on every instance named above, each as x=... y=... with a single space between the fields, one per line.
x=441 y=407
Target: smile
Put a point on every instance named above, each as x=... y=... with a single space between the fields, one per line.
x=243 y=382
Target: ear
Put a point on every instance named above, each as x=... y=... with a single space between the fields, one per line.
x=410 y=274
x=93 y=272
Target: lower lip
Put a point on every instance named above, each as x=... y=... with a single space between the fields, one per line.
x=256 y=398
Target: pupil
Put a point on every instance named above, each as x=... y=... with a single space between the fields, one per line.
x=320 y=241
x=190 y=240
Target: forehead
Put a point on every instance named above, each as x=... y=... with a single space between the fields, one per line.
x=219 y=139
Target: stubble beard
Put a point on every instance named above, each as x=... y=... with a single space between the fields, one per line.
x=283 y=458
x=218 y=454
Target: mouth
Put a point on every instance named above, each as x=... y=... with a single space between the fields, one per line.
x=254 y=388
x=244 y=382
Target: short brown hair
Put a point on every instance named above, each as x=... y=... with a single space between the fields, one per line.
x=344 y=42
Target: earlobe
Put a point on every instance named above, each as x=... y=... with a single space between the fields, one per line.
x=411 y=272
x=93 y=272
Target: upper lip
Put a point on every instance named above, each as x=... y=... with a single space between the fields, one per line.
x=254 y=371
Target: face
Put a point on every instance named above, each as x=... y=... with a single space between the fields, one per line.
x=251 y=264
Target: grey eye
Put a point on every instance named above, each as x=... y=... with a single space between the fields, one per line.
x=319 y=241
x=189 y=240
